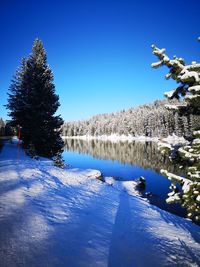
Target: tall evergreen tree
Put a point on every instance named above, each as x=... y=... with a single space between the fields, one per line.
x=33 y=102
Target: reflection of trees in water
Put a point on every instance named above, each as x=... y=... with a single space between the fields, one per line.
x=144 y=154
x=1 y=145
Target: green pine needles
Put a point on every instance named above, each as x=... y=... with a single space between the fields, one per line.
x=188 y=93
x=32 y=103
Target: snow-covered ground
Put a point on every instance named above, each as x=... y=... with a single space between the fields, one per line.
x=113 y=138
x=171 y=139
x=175 y=140
x=54 y=217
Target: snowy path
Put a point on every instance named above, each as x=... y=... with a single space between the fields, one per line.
x=53 y=217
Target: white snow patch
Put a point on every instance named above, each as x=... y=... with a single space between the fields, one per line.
x=113 y=138
x=175 y=140
x=126 y=186
x=55 y=217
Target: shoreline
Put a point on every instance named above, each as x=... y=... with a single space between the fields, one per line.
x=114 y=138
x=47 y=208
x=171 y=139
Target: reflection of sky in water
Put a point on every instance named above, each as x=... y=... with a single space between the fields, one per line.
x=155 y=183
x=115 y=168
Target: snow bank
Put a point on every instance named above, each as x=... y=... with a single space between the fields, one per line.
x=126 y=186
x=113 y=138
x=89 y=173
x=169 y=142
x=171 y=139
x=56 y=217
x=175 y=140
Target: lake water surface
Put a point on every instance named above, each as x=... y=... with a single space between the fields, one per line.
x=126 y=161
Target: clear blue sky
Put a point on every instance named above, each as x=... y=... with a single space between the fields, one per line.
x=99 y=51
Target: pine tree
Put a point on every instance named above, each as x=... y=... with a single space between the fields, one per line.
x=2 y=127
x=17 y=100
x=188 y=91
x=33 y=102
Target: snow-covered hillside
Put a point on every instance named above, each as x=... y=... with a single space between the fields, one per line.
x=149 y=121
x=54 y=217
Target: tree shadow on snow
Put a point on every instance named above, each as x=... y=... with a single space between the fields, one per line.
x=67 y=217
x=82 y=225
